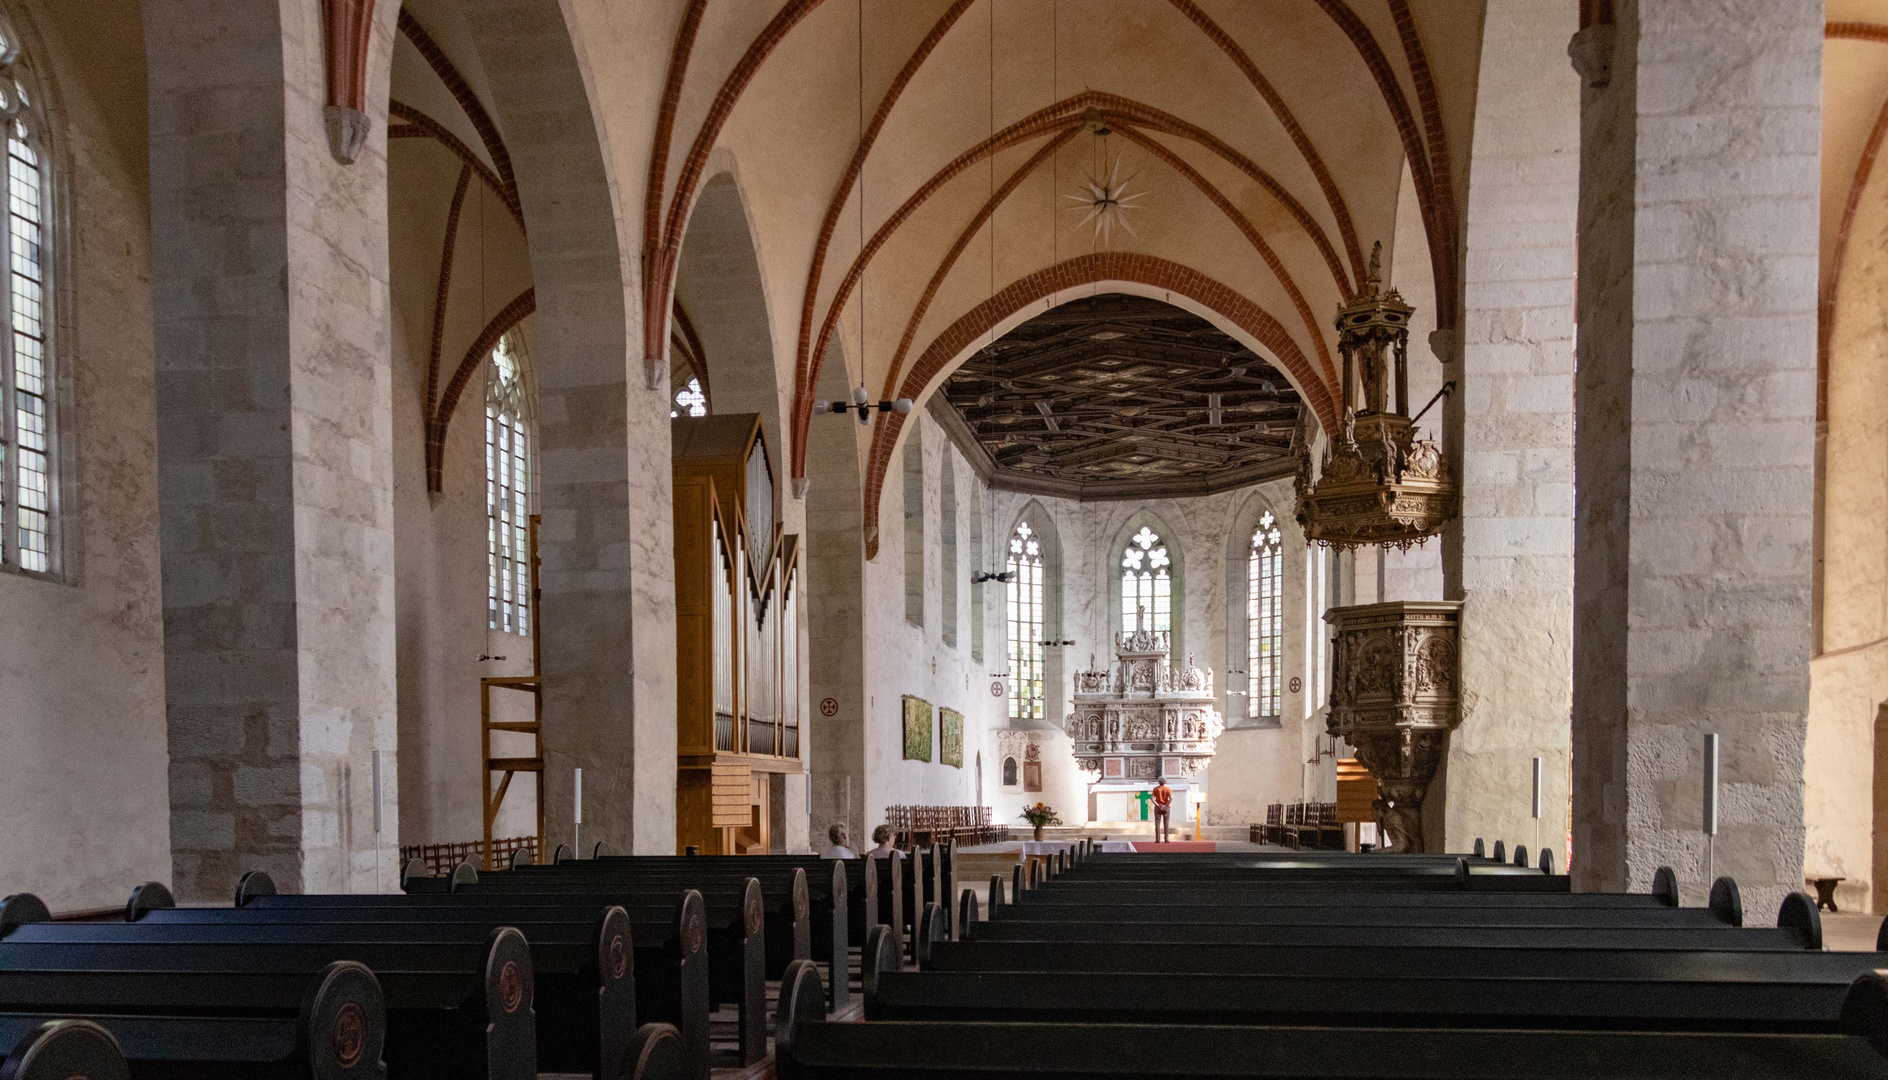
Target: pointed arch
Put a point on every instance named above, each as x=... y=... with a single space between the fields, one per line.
x=1032 y=614
x=1160 y=571
x=1142 y=275
x=1245 y=707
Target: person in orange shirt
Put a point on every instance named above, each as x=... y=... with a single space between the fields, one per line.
x=1163 y=813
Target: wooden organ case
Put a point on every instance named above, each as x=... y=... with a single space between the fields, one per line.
x=737 y=648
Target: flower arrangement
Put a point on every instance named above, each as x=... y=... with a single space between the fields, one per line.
x=1039 y=815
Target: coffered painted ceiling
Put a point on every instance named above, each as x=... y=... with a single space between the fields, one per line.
x=1119 y=397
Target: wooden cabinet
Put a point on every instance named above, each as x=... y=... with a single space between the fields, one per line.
x=737 y=656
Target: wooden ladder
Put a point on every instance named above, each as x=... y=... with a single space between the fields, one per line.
x=532 y=684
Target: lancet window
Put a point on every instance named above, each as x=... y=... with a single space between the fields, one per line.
x=1265 y=636
x=1146 y=583
x=28 y=465
x=1025 y=624
x=507 y=491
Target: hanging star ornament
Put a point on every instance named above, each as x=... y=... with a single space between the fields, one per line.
x=1107 y=200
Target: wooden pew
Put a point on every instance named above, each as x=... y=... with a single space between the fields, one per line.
x=1538 y=937
x=1413 y=961
x=585 y=986
x=1369 y=1001
x=672 y=967
x=451 y=1009
x=1019 y=1050
x=736 y=937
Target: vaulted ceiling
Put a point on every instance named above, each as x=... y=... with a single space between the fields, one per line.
x=905 y=166
x=1123 y=397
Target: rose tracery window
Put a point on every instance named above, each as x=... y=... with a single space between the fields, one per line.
x=1265 y=635
x=1025 y=624
x=690 y=401
x=1146 y=583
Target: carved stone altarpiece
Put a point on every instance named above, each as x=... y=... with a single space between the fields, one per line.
x=1142 y=719
x=1395 y=696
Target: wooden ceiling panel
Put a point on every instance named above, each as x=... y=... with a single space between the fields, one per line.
x=1125 y=397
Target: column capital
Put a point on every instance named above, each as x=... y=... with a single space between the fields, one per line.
x=1591 y=50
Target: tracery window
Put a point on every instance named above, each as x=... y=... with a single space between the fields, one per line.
x=28 y=505
x=1265 y=635
x=690 y=401
x=1025 y=624
x=507 y=491
x=1146 y=583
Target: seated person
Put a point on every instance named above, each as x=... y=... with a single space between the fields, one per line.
x=839 y=850
x=882 y=836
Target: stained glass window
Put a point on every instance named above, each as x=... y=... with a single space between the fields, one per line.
x=27 y=492
x=507 y=492
x=1146 y=583
x=1265 y=635
x=690 y=401
x=1025 y=624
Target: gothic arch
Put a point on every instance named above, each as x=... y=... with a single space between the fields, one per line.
x=1054 y=666
x=718 y=281
x=1076 y=278
x=1245 y=520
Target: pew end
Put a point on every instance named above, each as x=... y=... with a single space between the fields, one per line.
x=879 y=956
x=1865 y=1010
x=1728 y=901
x=1480 y=850
x=511 y=1037
x=996 y=895
x=801 y=998
x=413 y=870
x=66 y=1050
x=1799 y=913
x=255 y=883
x=345 y=1024
x=932 y=931
x=1547 y=860
x=616 y=995
x=150 y=896
x=1665 y=886
x=20 y=909
x=654 y=1053
x=966 y=913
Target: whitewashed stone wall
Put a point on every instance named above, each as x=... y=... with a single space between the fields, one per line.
x=1516 y=387
x=1698 y=227
x=83 y=788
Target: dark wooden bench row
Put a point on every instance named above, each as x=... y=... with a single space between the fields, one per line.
x=215 y=989
x=1793 y=1038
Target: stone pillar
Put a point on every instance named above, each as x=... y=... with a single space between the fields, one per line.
x=606 y=544
x=269 y=282
x=835 y=619
x=1699 y=180
x=1517 y=435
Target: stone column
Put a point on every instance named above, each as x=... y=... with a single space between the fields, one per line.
x=1695 y=437
x=606 y=544
x=834 y=561
x=269 y=282
x=1516 y=370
